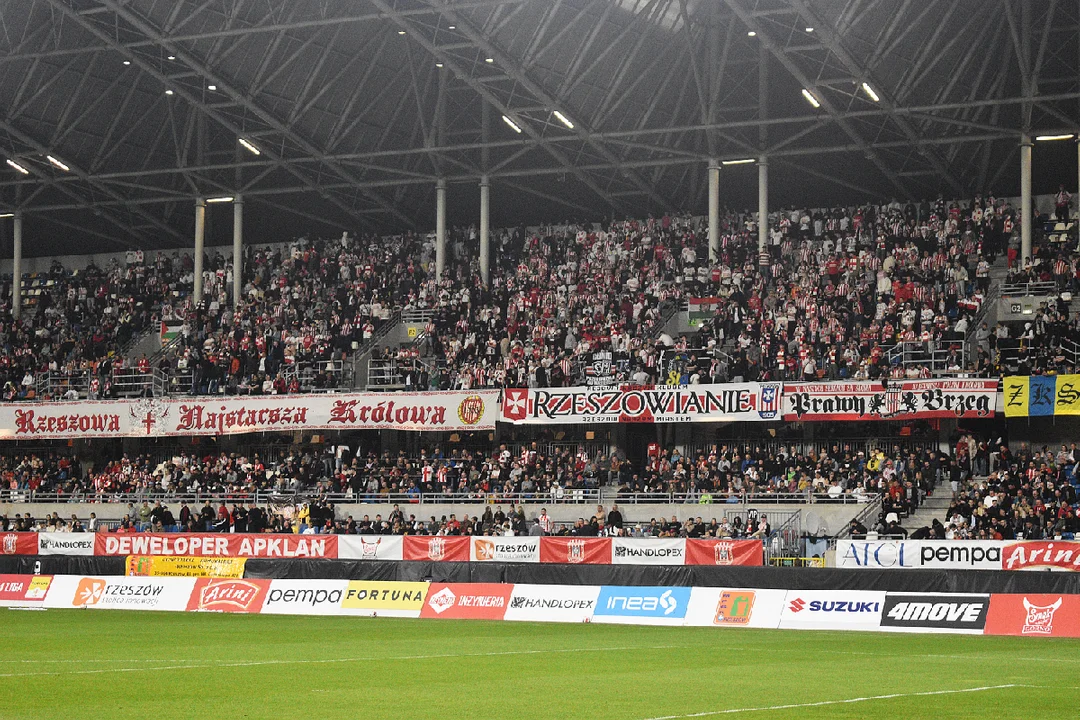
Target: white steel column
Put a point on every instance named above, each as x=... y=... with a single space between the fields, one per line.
x=1025 y=199
x=763 y=203
x=237 y=249
x=714 y=210
x=440 y=229
x=485 y=221
x=200 y=239
x=16 y=267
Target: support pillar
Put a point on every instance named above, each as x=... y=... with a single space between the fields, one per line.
x=485 y=222
x=200 y=241
x=440 y=229
x=1025 y=199
x=763 y=203
x=714 y=211
x=237 y=249
x=16 y=267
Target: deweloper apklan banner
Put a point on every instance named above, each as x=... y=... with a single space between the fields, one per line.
x=157 y=417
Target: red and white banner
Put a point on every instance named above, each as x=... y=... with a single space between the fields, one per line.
x=228 y=595
x=744 y=402
x=1041 y=555
x=711 y=551
x=575 y=551
x=524 y=549
x=19 y=543
x=439 y=548
x=1055 y=615
x=371 y=547
x=24 y=589
x=217 y=545
x=157 y=417
x=472 y=601
x=898 y=400
x=648 y=551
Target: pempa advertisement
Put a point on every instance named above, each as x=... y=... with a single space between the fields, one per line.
x=897 y=400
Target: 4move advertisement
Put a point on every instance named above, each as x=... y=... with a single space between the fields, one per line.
x=642 y=605
x=931 y=612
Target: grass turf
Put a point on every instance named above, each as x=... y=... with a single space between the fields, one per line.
x=115 y=664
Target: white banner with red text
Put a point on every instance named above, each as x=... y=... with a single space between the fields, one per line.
x=895 y=400
x=1060 y=555
x=744 y=402
x=188 y=416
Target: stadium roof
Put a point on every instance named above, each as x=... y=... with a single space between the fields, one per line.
x=572 y=108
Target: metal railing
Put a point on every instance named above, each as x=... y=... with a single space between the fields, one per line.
x=1028 y=289
x=868 y=513
x=695 y=498
x=567 y=496
x=936 y=355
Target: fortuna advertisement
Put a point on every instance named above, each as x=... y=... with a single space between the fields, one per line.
x=747 y=402
x=157 y=417
x=898 y=400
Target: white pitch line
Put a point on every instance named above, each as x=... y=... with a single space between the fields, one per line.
x=257 y=663
x=822 y=703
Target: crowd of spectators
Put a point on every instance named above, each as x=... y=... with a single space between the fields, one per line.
x=78 y=321
x=834 y=290
x=1031 y=495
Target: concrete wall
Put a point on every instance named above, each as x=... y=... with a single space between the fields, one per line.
x=818 y=517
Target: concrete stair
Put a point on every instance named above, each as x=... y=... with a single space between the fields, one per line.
x=933 y=507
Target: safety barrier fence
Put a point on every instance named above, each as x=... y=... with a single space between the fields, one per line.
x=1054 y=615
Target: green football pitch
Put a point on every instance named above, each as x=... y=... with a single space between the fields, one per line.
x=87 y=664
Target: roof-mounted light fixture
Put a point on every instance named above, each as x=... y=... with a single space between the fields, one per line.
x=224 y=199
x=250 y=146
x=506 y=119
x=810 y=98
x=18 y=167
x=562 y=118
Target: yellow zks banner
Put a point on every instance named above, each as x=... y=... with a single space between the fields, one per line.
x=173 y=566
x=1041 y=395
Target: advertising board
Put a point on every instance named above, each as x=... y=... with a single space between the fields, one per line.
x=552 y=603
x=387 y=598
x=642 y=605
x=735 y=607
x=934 y=612
x=472 y=601
x=832 y=610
